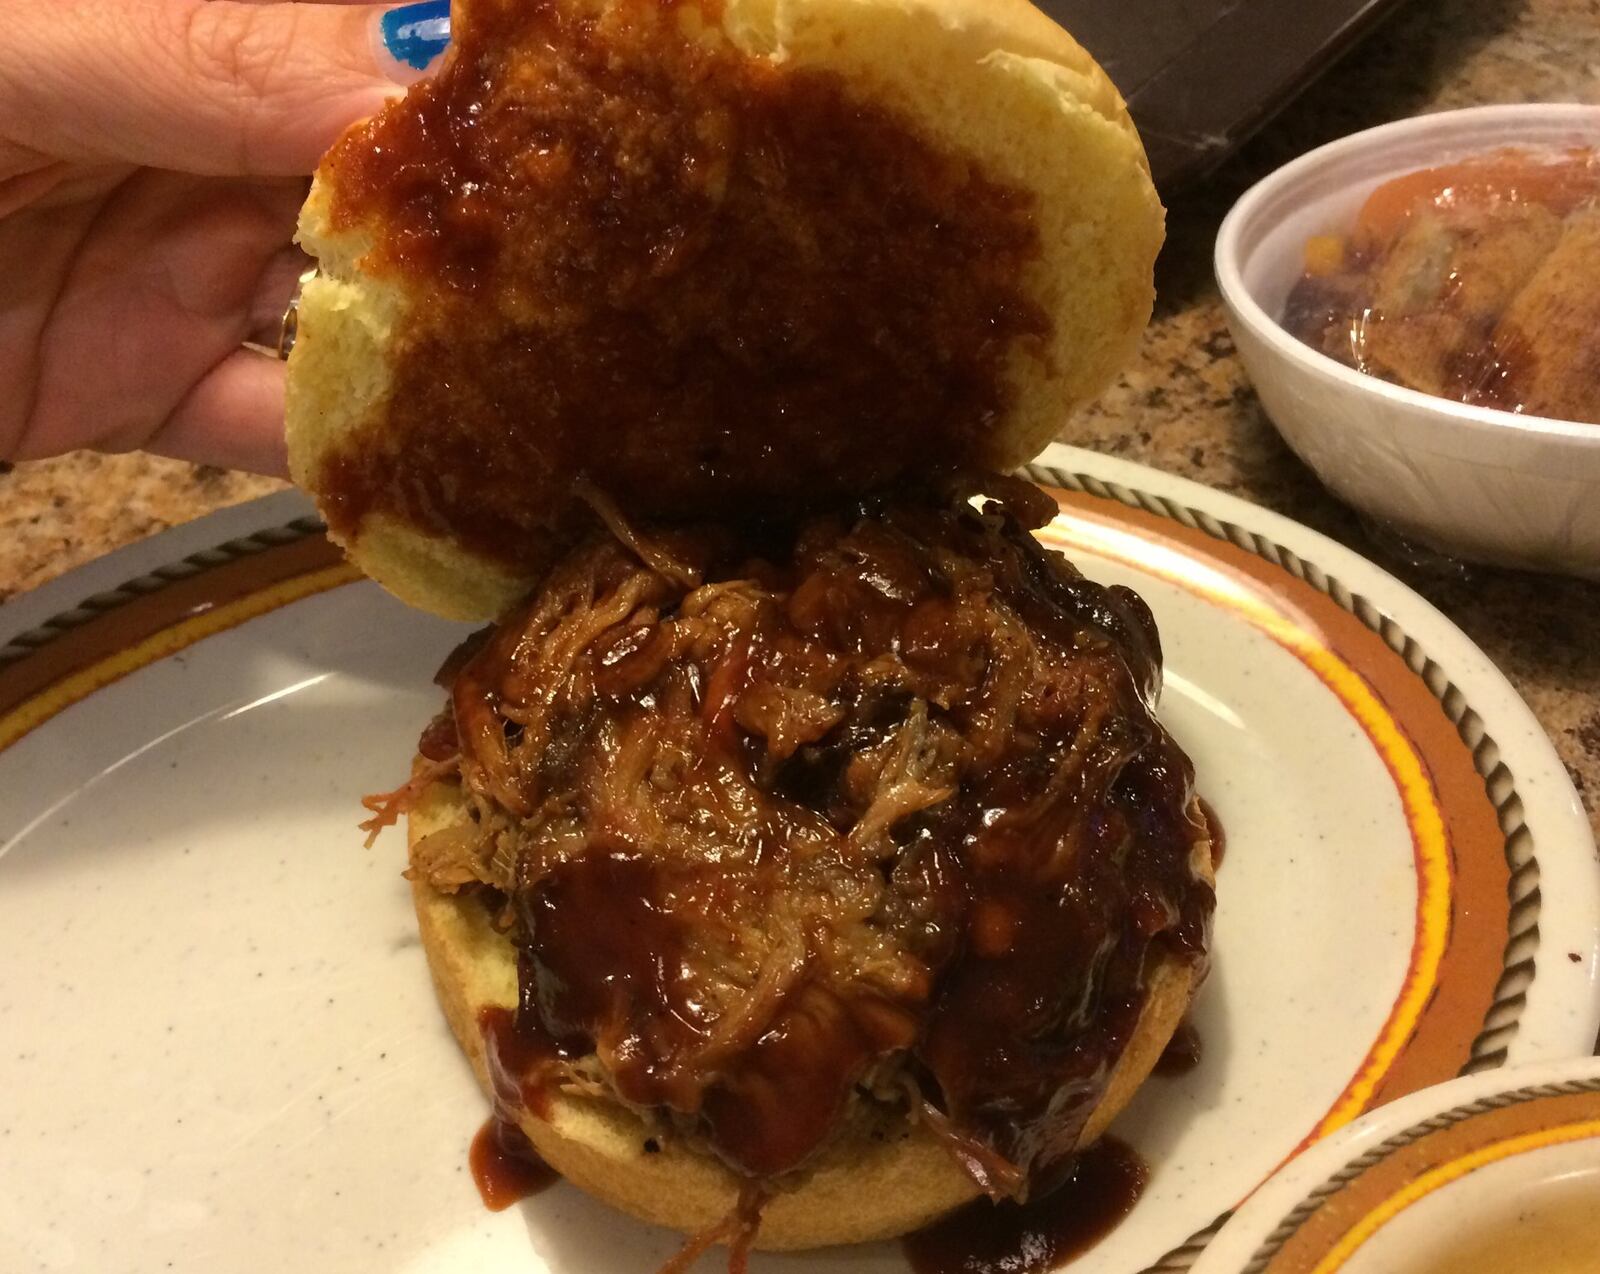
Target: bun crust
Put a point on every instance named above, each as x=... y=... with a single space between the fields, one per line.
x=862 y=1187
x=990 y=83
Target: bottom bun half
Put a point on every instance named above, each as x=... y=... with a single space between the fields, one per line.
x=872 y=1182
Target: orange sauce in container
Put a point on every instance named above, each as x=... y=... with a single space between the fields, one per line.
x=1477 y=281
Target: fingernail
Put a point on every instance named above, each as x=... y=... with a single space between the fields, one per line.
x=411 y=38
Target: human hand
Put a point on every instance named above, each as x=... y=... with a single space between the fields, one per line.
x=152 y=159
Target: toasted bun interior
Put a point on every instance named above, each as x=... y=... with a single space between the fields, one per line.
x=433 y=458
x=874 y=1182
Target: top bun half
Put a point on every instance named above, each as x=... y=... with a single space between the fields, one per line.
x=704 y=261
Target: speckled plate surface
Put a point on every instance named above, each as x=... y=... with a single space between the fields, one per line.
x=218 y=1045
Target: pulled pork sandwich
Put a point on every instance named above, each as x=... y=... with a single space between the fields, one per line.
x=847 y=864
x=798 y=856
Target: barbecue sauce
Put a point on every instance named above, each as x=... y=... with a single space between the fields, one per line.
x=721 y=279
x=1182 y=1053
x=439 y=741
x=521 y=1058
x=1104 y=1183
x=703 y=909
x=1215 y=832
x=505 y=1166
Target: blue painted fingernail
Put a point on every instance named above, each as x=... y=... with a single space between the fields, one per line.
x=414 y=35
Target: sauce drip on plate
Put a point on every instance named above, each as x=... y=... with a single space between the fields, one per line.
x=1214 y=831
x=1105 y=1182
x=505 y=1166
x=1182 y=1053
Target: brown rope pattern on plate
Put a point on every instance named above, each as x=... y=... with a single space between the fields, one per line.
x=1307 y=1207
x=1489 y=1048
x=92 y=607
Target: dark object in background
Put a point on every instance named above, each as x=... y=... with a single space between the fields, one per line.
x=1201 y=75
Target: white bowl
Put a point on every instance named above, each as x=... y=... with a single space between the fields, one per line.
x=1449 y=1178
x=1490 y=486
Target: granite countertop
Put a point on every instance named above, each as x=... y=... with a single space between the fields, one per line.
x=1185 y=405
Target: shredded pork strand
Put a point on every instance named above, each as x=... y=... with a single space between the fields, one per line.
x=738 y=1230
x=653 y=554
x=387 y=807
x=754 y=1012
x=902 y=788
x=544 y=648
x=994 y=1173
x=448 y=858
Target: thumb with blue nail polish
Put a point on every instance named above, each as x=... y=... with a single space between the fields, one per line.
x=412 y=38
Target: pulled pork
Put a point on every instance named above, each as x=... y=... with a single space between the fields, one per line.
x=872 y=809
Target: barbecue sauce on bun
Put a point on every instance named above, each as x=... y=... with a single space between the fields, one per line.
x=733 y=258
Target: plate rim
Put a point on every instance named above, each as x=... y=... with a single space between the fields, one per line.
x=115 y=571
x=1300 y=1184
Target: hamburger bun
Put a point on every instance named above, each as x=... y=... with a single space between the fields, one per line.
x=988 y=88
x=874 y=1181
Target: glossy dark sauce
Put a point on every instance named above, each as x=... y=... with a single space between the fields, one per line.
x=602 y=934
x=439 y=741
x=520 y=1058
x=505 y=1166
x=1008 y=1238
x=719 y=282
x=1215 y=831
x=1010 y=920
x=1182 y=1053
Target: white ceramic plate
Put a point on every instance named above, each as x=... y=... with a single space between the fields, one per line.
x=218 y=1045
x=1492 y=1172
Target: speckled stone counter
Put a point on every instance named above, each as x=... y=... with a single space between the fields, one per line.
x=1185 y=405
